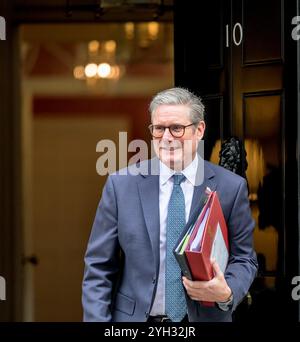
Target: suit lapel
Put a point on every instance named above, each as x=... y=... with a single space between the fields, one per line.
x=149 y=194
x=200 y=189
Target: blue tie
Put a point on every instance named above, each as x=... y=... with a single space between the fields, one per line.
x=175 y=296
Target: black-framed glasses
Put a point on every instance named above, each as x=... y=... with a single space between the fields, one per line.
x=177 y=131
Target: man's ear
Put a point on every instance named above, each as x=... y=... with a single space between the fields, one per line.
x=200 y=130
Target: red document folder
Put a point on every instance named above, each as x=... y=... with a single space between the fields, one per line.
x=213 y=243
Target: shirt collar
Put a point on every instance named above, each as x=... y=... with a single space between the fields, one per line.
x=165 y=173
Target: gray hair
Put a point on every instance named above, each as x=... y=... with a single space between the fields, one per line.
x=179 y=96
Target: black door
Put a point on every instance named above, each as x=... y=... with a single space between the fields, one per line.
x=241 y=58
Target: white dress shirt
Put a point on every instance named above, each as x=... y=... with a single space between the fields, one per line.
x=165 y=191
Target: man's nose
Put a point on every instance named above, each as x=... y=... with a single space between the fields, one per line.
x=167 y=134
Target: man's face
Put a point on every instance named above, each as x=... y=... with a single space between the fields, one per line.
x=176 y=153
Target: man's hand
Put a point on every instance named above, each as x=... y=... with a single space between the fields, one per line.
x=214 y=290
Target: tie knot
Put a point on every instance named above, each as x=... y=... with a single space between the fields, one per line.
x=178 y=178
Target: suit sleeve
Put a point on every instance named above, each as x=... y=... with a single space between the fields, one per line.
x=242 y=265
x=101 y=259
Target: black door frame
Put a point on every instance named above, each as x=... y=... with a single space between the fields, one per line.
x=291 y=105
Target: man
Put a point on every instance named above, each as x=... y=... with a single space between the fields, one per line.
x=143 y=215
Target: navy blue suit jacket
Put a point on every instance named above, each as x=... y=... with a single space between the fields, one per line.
x=127 y=220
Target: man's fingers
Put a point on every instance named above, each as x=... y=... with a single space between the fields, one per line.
x=216 y=268
x=194 y=284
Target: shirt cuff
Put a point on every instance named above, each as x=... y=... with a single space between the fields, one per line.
x=226 y=306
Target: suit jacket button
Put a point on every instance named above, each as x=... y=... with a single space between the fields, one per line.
x=147 y=314
x=153 y=281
